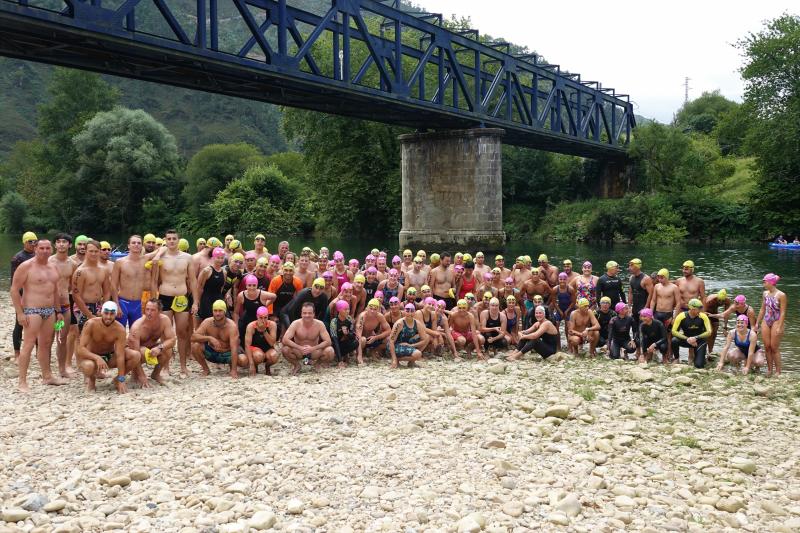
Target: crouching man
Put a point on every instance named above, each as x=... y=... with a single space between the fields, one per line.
x=217 y=341
x=102 y=346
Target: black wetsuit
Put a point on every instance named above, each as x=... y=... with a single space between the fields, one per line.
x=343 y=337
x=291 y=311
x=546 y=345
x=684 y=327
x=370 y=289
x=499 y=339
x=249 y=310
x=212 y=291
x=259 y=340
x=619 y=333
x=655 y=333
x=19 y=258
x=603 y=319
x=638 y=300
x=611 y=287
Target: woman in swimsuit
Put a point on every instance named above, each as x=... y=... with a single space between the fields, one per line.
x=513 y=314
x=745 y=347
x=562 y=301
x=771 y=317
x=585 y=284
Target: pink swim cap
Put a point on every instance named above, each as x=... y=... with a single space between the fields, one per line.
x=250 y=255
x=372 y=270
x=275 y=257
x=441 y=303
x=587 y=264
x=459 y=268
x=394 y=272
x=740 y=299
x=563 y=275
x=347 y=286
x=410 y=307
x=488 y=276
x=354 y=262
x=646 y=312
x=381 y=259
x=619 y=307
x=744 y=319
x=331 y=263
x=379 y=295
x=509 y=280
x=381 y=254
x=338 y=256
x=341 y=305
x=250 y=280
x=396 y=259
x=369 y=258
x=430 y=301
x=394 y=300
x=772 y=279
x=218 y=252
x=327 y=275
x=262 y=311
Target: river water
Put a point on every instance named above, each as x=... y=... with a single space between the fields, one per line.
x=737 y=268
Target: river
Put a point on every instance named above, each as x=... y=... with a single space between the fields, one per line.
x=737 y=268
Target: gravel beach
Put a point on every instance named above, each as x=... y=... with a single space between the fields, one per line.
x=564 y=444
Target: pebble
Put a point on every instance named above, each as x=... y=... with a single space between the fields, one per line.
x=559 y=518
x=513 y=508
x=747 y=466
x=14 y=514
x=295 y=506
x=558 y=411
x=570 y=505
x=262 y=520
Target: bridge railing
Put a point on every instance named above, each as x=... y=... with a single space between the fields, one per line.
x=369 y=47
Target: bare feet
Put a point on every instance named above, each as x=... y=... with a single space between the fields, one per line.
x=67 y=373
x=53 y=380
x=23 y=387
x=295 y=369
x=342 y=364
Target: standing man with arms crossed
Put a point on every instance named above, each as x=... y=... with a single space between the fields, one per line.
x=64 y=265
x=90 y=285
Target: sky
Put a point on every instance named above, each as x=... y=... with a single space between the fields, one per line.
x=653 y=46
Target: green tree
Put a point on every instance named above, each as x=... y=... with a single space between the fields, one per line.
x=662 y=150
x=208 y=172
x=261 y=200
x=125 y=156
x=13 y=212
x=772 y=96
x=702 y=114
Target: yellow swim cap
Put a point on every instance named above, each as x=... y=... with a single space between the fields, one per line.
x=498 y=258
x=695 y=303
x=159 y=241
x=260 y=236
x=422 y=253
x=583 y=302
x=288 y=265
x=239 y=257
x=359 y=278
x=664 y=272
x=199 y=242
x=467 y=258
x=527 y=259
x=149 y=238
x=374 y=303
x=411 y=290
x=510 y=298
x=567 y=262
x=425 y=288
x=262 y=261
x=542 y=257
x=688 y=263
x=213 y=242
x=487 y=294
x=148 y=265
x=234 y=245
x=435 y=258
x=611 y=264
x=29 y=236
x=183 y=245
x=219 y=305
x=462 y=304
x=479 y=254
x=105 y=245
x=319 y=283
x=722 y=294
x=635 y=261
x=605 y=300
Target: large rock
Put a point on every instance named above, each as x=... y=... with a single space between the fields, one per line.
x=744 y=464
x=14 y=514
x=262 y=520
x=730 y=505
x=570 y=505
x=642 y=375
x=558 y=411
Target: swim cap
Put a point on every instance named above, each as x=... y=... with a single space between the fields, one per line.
x=379 y=295
x=239 y=257
x=250 y=255
x=408 y=252
x=369 y=258
x=469 y=296
x=498 y=258
x=425 y=288
x=562 y=275
x=288 y=266
x=234 y=245
x=259 y=236
x=462 y=304
x=722 y=294
x=394 y=300
x=147 y=238
x=740 y=299
x=218 y=252
x=538 y=298
x=319 y=283
x=458 y=254
x=347 y=286
x=213 y=242
x=374 y=303
x=375 y=251
x=262 y=261
x=250 y=280
x=496 y=271
x=327 y=275
x=410 y=307
x=620 y=307
x=511 y=299
x=441 y=303
x=353 y=263
x=646 y=313
x=527 y=259
x=488 y=276
x=430 y=301
x=542 y=258
x=411 y=290
x=605 y=300
x=359 y=278
x=743 y=318
x=772 y=279
x=29 y=236
x=183 y=245
x=635 y=261
x=583 y=302
x=105 y=245
x=509 y=280
x=306 y=250
x=262 y=311
x=459 y=268
x=688 y=263
x=520 y=259
x=396 y=259
x=341 y=305
x=587 y=264
x=393 y=272
x=219 y=305
x=200 y=241
x=275 y=257
x=664 y=272
x=494 y=301
x=109 y=307
x=422 y=253
x=611 y=264
x=695 y=303
x=435 y=258
x=478 y=254
x=467 y=258
x=338 y=256
x=567 y=262
x=159 y=241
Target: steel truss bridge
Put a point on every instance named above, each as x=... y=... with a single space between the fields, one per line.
x=360 y=58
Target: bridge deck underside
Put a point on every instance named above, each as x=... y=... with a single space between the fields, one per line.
x=71 y=47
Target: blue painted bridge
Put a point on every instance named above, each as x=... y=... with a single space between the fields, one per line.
x=360 y=58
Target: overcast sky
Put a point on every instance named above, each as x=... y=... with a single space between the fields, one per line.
x=655 y=45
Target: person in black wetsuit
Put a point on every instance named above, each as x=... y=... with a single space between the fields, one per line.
x=247 y=304
x=210 y=284
x=314 y=294
x=604 y=315
x=691 y=329
x=640 y=289
x=610 y=285
x=652 y=336
x=343 y=336
x=542 y=337
x=259 y=340
x=493 y=327
x=619 y=332
x=234 y=272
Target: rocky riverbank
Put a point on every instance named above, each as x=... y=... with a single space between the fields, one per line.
x=568 y=444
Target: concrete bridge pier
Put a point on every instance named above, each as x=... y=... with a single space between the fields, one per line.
x=453 y=190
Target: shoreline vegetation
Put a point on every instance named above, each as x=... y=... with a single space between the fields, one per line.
x=719 y=171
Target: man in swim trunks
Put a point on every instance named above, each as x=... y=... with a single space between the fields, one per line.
x=535 y=286
x=481 y=267
x=690 y=285
x=129 y=279
x=308 y=340
x=91 y=285
x=102 y=346
x=500 y=262
x=372 y=329
x=152 y=337
x=583 y=327
x=28 y=252
x=77 y=260
x=217 y=340
x=441 y=280
x=37 y=302
x=416 y=276
x=521 y=273
x=571 y=274
x=177 y=290
x=665 y=303
x=464 y=329
x=65 y=267
x=691 y=329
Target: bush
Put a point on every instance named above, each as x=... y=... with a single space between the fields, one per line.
x=13 y=210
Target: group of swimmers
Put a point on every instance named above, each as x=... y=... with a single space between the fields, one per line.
x=227 y=306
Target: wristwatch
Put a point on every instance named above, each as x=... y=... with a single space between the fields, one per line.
x=121 y=379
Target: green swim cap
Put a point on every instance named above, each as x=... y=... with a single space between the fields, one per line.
x=80 y=239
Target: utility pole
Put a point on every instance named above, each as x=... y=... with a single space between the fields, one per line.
x=686 y=90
